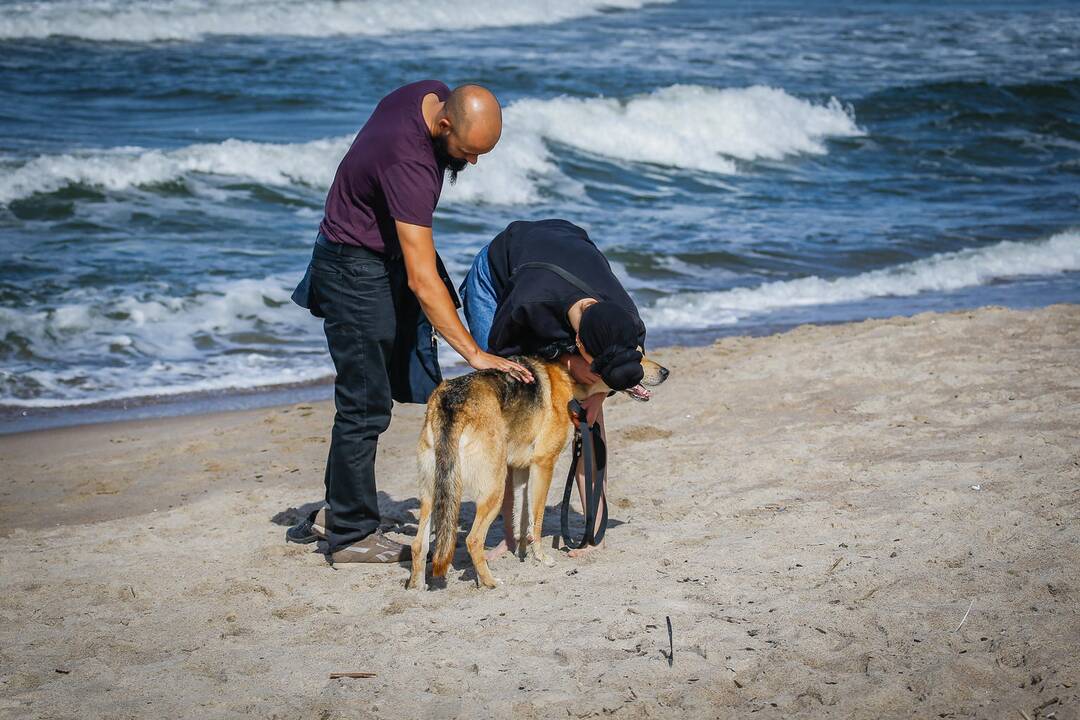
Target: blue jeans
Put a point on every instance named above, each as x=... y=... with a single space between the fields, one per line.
x=478 y=299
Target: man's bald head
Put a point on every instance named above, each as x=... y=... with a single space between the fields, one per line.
x=475 y=118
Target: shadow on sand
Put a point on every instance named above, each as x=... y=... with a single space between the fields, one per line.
x=400 y=516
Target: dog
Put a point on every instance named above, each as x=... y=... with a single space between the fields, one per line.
x=477 y=427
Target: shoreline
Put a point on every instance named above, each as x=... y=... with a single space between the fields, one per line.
x=871 y=519
x=15 y=419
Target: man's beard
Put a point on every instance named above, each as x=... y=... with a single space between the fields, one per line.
x=452 y=164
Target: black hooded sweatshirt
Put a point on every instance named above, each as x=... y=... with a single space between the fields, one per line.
x=533 y=302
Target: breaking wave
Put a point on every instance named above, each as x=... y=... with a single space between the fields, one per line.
x=938 y=273
x=689 y=126
x=93 y=346
x=159 y=20
x=682 y=126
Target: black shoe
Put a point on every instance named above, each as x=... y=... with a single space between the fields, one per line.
x=308 y=531
x=301 y=533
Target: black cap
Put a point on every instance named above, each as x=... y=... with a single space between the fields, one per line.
x=609 y=333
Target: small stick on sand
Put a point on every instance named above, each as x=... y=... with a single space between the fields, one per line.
x=1026 y=716
x=833 y=566
x=335 y=676
x=964 y=620
x=671 y=643
x=870 y=594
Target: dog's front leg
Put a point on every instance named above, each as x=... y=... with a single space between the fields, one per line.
x=539 y=483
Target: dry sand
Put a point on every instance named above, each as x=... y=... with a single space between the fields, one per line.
x=867 y=520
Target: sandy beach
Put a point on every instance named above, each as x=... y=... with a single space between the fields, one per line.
x=870 y=520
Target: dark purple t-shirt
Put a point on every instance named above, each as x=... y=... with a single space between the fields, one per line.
x=390 y=173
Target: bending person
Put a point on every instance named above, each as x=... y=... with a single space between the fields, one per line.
x=516 y=303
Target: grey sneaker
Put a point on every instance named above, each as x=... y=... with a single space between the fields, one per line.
x=375 y=548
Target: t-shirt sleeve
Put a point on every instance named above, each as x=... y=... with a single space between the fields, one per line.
x=412 y=191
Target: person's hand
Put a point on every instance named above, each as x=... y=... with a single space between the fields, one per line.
x=487 y=361
x=593 y=405
x=580 y=370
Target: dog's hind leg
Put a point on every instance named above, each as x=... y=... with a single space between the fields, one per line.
x=420 y=546
x=487 y=509
x=539 y=482
x=425 y=466
x=522 y=519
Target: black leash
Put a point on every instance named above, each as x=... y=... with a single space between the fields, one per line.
x=587 y=445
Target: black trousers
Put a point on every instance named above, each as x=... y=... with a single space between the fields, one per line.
x=355 y=293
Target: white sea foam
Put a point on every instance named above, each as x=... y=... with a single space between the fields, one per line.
x=513 y=174
x=519 y=171
x=687 y=127
x=102 y=347
x=168 y=327
x=682 y=126
x=937 y=273
x=92 y=347
x=166 y=379
x=311 y=163
x=156 y=20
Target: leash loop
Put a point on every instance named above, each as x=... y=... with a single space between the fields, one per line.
x=589 y=448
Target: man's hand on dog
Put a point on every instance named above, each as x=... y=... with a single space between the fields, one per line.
x=487 y=361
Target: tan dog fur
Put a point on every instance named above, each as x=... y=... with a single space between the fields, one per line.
x=476 y=428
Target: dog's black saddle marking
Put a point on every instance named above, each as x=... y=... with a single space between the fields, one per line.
x=511 y=392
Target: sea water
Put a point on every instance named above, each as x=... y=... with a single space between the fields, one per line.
x=745 y=166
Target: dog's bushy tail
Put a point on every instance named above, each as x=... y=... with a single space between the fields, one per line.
x=446 y=496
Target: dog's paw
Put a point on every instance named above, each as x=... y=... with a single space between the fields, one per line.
x=544 y=559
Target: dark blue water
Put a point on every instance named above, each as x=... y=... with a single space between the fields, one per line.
x=745 y=165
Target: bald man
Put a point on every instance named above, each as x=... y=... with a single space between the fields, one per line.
x=376 y=279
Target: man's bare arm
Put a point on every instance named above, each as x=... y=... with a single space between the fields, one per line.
x=418 y=249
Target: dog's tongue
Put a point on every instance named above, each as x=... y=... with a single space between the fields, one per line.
x=638 y=392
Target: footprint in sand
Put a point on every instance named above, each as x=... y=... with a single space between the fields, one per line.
x=640 y=433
